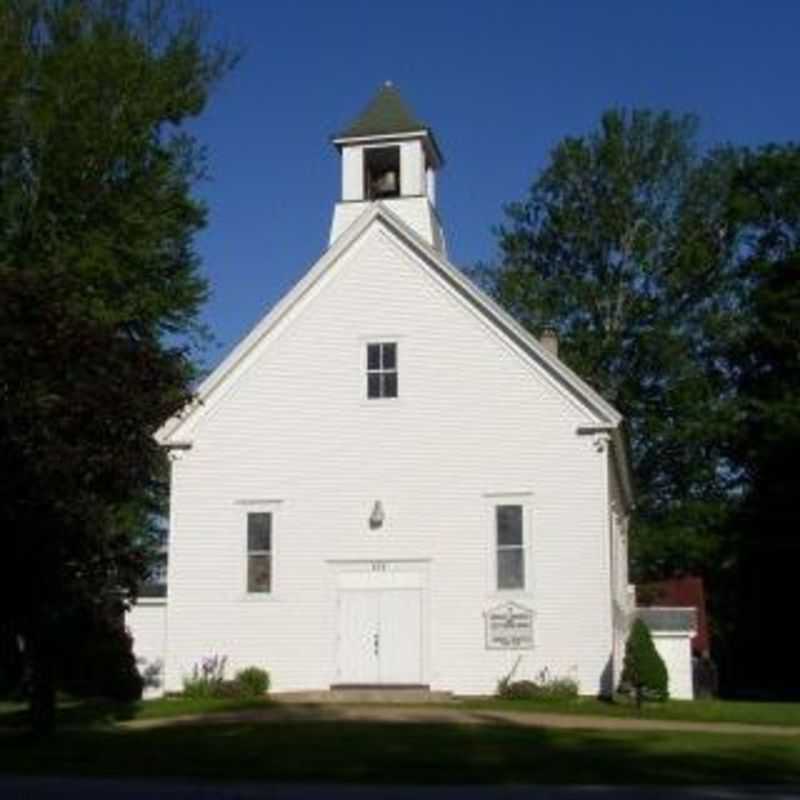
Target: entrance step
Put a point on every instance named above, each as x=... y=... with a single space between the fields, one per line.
x=365 y=694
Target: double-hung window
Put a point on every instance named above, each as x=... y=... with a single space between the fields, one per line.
x=381 y=370
x=510 y=547
x=259 y=552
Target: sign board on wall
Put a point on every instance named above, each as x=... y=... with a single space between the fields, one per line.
x=509 y=627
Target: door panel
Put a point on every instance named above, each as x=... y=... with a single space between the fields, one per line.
x=380 y=639
x=358 y=632
x=400 y=636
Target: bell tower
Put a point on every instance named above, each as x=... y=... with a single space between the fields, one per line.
x=389 y=156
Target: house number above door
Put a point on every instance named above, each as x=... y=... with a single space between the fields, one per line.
x=378 y=566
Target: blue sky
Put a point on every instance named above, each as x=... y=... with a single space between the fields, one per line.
x=500 y=82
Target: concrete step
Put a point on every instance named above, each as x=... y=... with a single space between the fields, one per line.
x=365 y=694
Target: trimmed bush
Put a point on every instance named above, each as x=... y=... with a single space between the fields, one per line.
x=516 y=690
x=644 y=673
x=229 y=690
x=96 y=657
x=207 y=679
x=252 y=681
x=114 y=673
x=559 y=689
x=544 y=687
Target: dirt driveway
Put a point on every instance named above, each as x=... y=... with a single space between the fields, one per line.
x=453 y=715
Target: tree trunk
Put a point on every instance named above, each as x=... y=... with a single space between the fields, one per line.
x=43 y=690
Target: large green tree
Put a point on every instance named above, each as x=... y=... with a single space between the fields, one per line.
x=621 y=245
x=671 y=276
x=100 y=293
x=761 y=352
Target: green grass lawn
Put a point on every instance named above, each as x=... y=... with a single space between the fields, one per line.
x=102 y=712
x=404 y=753
x=499 y=752
x=685 y=710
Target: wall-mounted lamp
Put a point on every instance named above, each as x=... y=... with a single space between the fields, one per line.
x=377 y=516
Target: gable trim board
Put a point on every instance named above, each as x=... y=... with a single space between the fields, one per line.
x=603 y=418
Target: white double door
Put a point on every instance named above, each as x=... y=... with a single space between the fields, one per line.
x=380 y=636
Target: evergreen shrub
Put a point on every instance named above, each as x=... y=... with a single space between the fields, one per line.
x=644 y=674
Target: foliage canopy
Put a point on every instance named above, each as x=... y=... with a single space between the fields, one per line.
x=670 y=274
x=100 y=291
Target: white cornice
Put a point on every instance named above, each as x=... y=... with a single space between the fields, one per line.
x=380 y=137
x=383 y=138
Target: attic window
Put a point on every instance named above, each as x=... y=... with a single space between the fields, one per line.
x=381 y=370
x=381 y=172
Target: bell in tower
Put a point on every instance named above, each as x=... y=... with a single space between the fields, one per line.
x=382 y=172
x=389 y=156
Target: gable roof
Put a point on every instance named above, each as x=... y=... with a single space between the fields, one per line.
x=604 y=417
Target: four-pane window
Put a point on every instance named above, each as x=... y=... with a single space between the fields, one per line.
x=381 y=370
x=259 y=553
x=510 y=548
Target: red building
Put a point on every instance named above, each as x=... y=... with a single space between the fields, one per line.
x=686 y=592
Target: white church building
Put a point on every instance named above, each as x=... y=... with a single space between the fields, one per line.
x=389 y=482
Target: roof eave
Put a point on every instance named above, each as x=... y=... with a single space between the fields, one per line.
x=426 y=134
x=602 y=409
x=620 y=448
x=172 y=431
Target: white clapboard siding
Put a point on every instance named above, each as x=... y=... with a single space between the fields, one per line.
x=618 y=547
x=295 y=435
x=146 y=623
x=676 y=651
x=416 y=212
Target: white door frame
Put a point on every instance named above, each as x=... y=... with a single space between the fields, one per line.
x=379 y=574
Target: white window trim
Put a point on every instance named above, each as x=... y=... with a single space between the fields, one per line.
x=513 y=498
x=365 y=342
x=259 y=507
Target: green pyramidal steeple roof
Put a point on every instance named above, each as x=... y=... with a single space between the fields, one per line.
x=386 y=113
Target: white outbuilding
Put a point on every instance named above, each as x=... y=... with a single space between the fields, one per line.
x=389 y=482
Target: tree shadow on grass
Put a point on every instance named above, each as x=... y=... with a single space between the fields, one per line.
x=76 y=713
x=408 y=753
